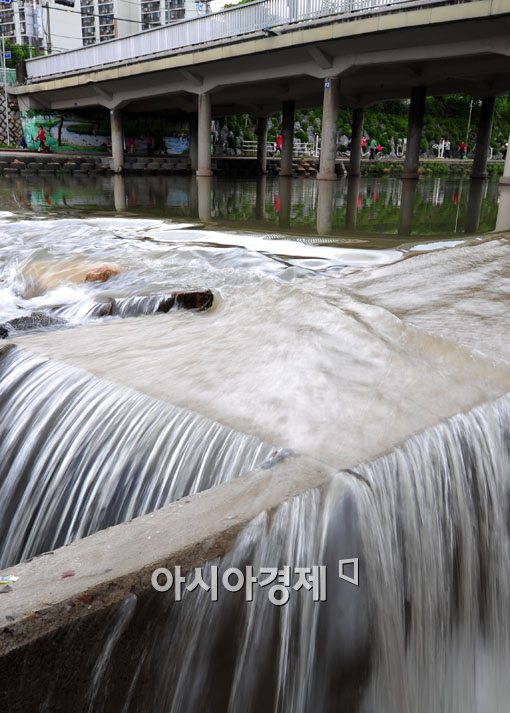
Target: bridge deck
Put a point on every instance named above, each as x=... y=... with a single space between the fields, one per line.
x=263 y=17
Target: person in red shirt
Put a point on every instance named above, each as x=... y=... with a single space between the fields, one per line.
x=279 y=142
x=462 y=149
x=41 y=138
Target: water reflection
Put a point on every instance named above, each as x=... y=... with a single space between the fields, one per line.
x=408 y=198
x=477 y=192
x=503 y=219
x=360 y=210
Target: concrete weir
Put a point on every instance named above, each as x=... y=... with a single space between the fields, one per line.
x=113 y=563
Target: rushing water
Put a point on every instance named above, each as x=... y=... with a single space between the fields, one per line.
x=87 y=454
x=341 y=345
x=427 y=629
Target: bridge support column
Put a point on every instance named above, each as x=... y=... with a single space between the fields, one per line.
x=483 y=138
x=193 y=141
x=328 y=131
x=119 y=193
x=204 y=184
x=356 y=137
x=117 y=140
x=262 y=145
x=505 y=178
x=414 y=132
x=287 y=138
x=204 y=135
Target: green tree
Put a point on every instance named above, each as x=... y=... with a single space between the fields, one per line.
x=18 y=53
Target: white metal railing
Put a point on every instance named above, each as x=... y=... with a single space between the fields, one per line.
x=300 y=148
x=249 y=148
x=261 y=17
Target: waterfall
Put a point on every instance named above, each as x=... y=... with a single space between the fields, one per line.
x=435 y=521
x=426 y=631
x=78 y=454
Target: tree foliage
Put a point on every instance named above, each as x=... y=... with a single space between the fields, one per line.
x=18 y=53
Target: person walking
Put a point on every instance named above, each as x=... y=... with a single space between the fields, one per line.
x=462 y=149
x=41 y=138
x=447 y=149
x=373 y=149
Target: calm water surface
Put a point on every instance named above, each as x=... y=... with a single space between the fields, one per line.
x=369 y=212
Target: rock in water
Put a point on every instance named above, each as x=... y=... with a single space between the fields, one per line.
x=36 y=320
x=200 y=300
x=102 y=273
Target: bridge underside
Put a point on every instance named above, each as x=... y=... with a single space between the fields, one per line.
x=471 y=56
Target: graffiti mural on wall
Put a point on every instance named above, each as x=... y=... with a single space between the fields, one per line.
x=73 y=132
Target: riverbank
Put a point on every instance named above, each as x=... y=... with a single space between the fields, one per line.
x=30 y=163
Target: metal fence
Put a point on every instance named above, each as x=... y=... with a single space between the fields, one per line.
x=256 y=18
x=300 y=148
x=8 y=76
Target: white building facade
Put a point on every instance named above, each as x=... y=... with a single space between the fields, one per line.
x=59 y=25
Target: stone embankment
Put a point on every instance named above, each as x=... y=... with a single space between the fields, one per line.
x=19 y=163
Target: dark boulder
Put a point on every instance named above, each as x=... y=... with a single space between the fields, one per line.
x=30 y=322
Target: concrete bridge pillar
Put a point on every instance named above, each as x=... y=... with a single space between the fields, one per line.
x=193 y=141
x=287 y=138
x=329 y=127
x=414 y=132
x=204 y=135
x=204 y=185
x=119 y=193
x=262 y=145
x=356 y=136
x=483 y=138
x=117 y=140
x=505 y=179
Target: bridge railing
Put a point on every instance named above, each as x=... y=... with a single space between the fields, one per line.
x=220 y=27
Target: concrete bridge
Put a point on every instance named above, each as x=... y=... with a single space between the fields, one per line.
x=274 y=55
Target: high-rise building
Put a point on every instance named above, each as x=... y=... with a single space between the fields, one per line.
x=103 y=20
x=57 y=25
x=162 y=12
x=50 y=25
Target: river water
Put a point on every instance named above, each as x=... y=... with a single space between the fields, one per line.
x=356 y=324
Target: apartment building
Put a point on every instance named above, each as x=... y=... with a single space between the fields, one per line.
x=162 y=12
x=59 y=25
x=30 y=22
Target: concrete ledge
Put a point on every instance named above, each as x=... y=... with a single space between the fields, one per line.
x=113 y=563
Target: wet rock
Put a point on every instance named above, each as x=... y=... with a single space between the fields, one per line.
x=102 y=273
x=29 y=322
x=151 y=304
x=199 y=300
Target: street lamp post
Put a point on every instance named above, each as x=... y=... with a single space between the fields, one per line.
x=4 y=67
